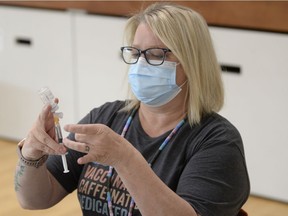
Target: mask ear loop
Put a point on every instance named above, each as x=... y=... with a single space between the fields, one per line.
x=183 y=83
x=178 y=63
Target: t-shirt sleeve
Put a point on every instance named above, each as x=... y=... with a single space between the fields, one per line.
x=215 y=180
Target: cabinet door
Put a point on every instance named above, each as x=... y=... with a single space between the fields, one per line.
x=35 y=51
x=101 y=73
x=257 y=103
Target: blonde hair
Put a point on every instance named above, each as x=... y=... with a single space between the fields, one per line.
x=186 y=33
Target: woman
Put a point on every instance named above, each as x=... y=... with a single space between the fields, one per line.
x=164 y=152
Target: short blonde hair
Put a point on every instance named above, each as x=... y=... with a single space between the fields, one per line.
x=186 y=34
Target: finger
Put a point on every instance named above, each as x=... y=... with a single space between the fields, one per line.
x=50 y=126
x=85 y=128
x=85 y=159
x=85 y=138
x=49 y=144
x=80 y=137
x=46 y=149
x=46 y=120
x=51 y=131
x=77 y=146
x=100 y=158
x=36 y=148
x=45 y=113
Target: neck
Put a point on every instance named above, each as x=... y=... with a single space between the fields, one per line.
x=158 y=120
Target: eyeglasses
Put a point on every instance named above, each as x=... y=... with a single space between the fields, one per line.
x=154 y=56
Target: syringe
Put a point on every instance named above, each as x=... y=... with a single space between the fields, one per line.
x=48 y=98
x=60 y=141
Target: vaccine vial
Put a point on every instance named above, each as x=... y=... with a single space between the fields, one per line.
x=48 y=98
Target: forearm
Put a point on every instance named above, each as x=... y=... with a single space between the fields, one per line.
x=151 y=195
x=35 y=187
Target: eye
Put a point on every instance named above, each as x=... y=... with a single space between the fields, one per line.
x=155 y=54
x=134 y=55
x=130 y=55
x=132 y=51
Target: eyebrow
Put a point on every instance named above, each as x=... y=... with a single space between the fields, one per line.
x=150 y=47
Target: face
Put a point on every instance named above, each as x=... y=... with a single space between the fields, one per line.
x=145 y=38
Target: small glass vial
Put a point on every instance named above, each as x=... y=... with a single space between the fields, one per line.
x=48 y=98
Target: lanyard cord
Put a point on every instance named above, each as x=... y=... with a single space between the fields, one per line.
x=157 y=153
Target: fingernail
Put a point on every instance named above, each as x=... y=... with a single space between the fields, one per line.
x=80 y=161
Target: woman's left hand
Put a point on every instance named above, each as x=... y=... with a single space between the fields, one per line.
x=101 y=144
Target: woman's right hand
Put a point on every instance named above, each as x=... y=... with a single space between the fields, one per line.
x=41 y=139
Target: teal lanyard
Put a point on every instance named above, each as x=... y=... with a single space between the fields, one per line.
x=162 y=146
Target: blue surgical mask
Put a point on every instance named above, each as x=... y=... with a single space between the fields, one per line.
x=153 y=85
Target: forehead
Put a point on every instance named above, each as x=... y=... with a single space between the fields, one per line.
x=144 y=38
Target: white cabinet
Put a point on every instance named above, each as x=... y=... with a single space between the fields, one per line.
x=75 y=54
x=257 y=103
x=35 y=51
x=101 y=73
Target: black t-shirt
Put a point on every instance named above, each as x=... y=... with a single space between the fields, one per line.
x=203 y=164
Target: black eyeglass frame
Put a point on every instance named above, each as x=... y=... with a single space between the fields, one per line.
x=165 y=50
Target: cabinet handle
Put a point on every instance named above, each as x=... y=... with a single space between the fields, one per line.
x=230 y=68
x=23 y=41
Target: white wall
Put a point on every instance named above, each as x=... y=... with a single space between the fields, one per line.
x=75 y=54
x=256 y=102
x=100 y=70
x=24 y=69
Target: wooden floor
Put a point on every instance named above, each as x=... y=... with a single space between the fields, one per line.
x=9 y=206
